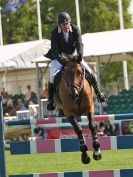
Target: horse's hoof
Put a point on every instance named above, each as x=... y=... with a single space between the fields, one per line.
x=97 y=155
x=85 y=158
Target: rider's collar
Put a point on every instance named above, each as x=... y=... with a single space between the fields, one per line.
x=59 y=29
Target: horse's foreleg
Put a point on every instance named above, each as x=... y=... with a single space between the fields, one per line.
x=96 y=144
x=83 y=148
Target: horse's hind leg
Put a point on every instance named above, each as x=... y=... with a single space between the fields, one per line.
x=83 y=148
x=96 y=145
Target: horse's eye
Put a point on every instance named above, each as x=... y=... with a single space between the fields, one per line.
x=81 y=74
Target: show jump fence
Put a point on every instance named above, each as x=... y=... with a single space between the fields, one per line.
x=62 y=145
x=52 y=122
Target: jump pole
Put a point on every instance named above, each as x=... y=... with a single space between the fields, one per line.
x=2 y=147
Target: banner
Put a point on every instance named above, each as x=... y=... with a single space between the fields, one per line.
x=61 y=133
x=11 y=4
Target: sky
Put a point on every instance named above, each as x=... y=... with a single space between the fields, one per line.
x=131 y=9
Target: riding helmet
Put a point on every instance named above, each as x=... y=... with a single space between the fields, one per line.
x=63 y=17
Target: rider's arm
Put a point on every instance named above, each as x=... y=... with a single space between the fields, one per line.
x=53 y=53
x=79 y=44
x=54 y=44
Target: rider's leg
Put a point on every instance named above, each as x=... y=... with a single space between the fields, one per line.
x=54 y=68
x=90 y=77
x=50 y=105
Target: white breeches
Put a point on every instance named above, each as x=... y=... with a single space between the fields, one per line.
x=84 y=65
x=56 y=67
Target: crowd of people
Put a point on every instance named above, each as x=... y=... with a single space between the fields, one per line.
x=21 y=102
x=107 y=128
x=18 y=102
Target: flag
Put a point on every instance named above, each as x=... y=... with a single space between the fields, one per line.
x=11 y=4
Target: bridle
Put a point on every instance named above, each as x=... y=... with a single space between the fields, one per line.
x=78 y=87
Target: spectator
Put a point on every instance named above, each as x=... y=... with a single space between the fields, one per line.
x=21 y=106
x=33 y=111
x=7 y=103
x=27 y=95
x=39 y=132
x=111 y=129
x=33 y=98
x=101 y=128
x=44 y=93
x=14 y=110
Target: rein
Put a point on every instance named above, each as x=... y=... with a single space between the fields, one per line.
x=78 y=87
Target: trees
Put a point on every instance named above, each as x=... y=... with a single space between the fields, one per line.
x=99 y=15
x=20 y=24
x=102 y=15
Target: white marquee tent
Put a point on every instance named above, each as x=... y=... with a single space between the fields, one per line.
x=118 y=43
x=100 y=44
x=20 y=55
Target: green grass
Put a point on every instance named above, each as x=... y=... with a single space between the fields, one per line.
x=60 y=162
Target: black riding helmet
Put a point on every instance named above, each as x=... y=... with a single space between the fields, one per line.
x=63 y=17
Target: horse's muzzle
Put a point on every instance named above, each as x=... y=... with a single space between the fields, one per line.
x=74 y=95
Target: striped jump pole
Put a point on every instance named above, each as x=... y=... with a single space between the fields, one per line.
x=52 y=120
x=69 y=145
x=102 y=173
x=2 y=148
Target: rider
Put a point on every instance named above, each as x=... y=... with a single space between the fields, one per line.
x=66 y=38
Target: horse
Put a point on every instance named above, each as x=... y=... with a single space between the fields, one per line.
x=74 y=95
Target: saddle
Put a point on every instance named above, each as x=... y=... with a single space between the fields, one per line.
x=57 y=78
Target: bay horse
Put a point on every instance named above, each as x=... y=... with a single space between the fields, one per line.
x=74 y=95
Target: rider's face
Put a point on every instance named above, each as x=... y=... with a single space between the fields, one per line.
x=65 y=27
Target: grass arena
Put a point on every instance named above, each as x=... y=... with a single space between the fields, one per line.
x=61 y=157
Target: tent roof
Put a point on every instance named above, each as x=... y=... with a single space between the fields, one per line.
x=118 y=43
x=20 y=55
x=107 y=43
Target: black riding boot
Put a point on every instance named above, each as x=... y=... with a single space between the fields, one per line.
x=101 y=97
x=51 y=104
